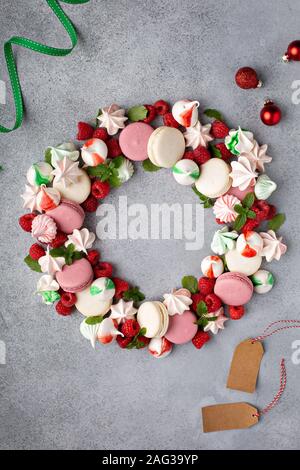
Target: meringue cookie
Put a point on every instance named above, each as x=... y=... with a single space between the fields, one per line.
x=243 y=173
x=82 y=239
x=224 y=208
x=160 y=347
x=258 y=156
x=61 y=151
x=77 y=192
x=186 y=172
x=39 y=173
x=94 y=152
x=273 y=248
x=239 y=141
x=218 y=324
x=47 y=198
x=51 y=265
x=90 y=329
x=212 y=266
x=264 y=187
x=177 y=302
x=125 y=170
x=249 y=244
x=30 y=197
x=66 y=172
x=47 y=288
x=223 y=241
x=112 y=118
x=43 y=228
x=103 y=288
x=186 y=112
x=197 y=135
x=263 y=281
x=107 y=331
x=123 y=311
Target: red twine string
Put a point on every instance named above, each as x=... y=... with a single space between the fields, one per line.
x=278 y=394
x=288 y=325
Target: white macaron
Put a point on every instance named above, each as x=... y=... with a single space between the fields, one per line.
x=153 y=316
x=166 y=146
x=214 y=180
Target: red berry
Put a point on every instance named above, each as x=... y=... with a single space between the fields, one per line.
x=101 y=133
x=62 y=309
x=201 y=155
x=246 y=78
x=93 y=257
x=68 y=299
x=121 y=286
x=114 y=149
x=130 y=328
x=123 y=342
x=220 y=222
x=272 y=212
x=200 y=338
x=189 y=154
x=151 y=115
x=213 y=303
x=85 y=131
x=90 y=204
x=196 y=298
x=219 y=130
x=236 y=312
x=225 y=153
x=261 y=208
x=250 y=225
x=103 y=269
x=100 y=189
x=206 y=285
x=170 y=121
x=36 y=251
x=59 y=240
x=162 y=107
x=145 y=341
x=25 y=221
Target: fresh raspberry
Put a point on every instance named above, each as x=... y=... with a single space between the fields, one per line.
x=121 y=286
x=226 y=154
x=151 y=115
x=103 y=269
x=162 y=107
x=130 y=328
x=250 y=225
x=170 y=121
x=272 y=212
x=113 y=147
x=201 y=155
x=93 y=257
x=101 y=133
x=25 y=221
x=85 y=131
x=100 y=189
x=219 y=130
x=261 y=208
x=200 y=338
x=236 y=312
x=213 y=303
x=62 y=309
x=59 y=240
x=196 y=298
x=189 y=155
x=90 y=204
x=68 y=299
x=145 y=341
x=123 y=342
x=206 y=285
x=220 y=222
x=36 y=251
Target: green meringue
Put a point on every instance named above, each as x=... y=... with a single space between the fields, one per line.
x=223 y=241
x=264 y=187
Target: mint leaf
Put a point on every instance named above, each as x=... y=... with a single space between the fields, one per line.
x=201 y=308
x=137 y=113
x=98 y=170
x=190 y=283
x=277 y=221
x=239 y=209
x=117 y=161
x=48 y=156
x=214 y=114
x=94 y=320
x=251 y=214
x=205 y=201
x=133 y=294
x=56 y=252
x=77 y=255
x=32 y=264
x=114 y=181
x=216 y=152
x=240 y=222
x=142 y=332
x=248 y=200
x=149 y=166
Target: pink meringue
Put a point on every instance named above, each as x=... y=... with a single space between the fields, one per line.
x=66 y=171
x=224 y=208
x=160 y=347
x=51 y=265
x=43 y=228
x=273 y=248
x=243 y=173
x=47 y=198
x=30 y=197
x=215 y=325
x=258 y=156
x=112 y=118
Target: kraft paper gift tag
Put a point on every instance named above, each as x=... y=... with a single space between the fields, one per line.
x=228 y=416
x=245 y=366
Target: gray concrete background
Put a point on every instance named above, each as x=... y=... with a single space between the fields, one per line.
x=55 y=391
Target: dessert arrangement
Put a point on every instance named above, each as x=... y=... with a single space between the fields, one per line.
x=226 y=170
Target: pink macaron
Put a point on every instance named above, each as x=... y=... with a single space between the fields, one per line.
x=68 y=216
x=182 y=328
x=134 y=140
x=234 y=288
x=240 y=194
x=75 y=277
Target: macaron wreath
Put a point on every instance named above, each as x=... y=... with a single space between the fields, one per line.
x=226 y=170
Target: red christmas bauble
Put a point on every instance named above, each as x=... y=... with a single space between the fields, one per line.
x=270 y=114
x=247 y=78
x=293 y=51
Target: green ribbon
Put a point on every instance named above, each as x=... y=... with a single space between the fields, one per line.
x=37 y=47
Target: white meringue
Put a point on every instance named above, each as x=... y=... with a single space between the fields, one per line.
x=66 y=171
x=243 y=173
x=224 y=208
x=82 y=239
x=51 y=265
x=89 y=328
x=47 y=198
x=218 y=324
x=107 y=331
x=47 y=288
x=160 y=347
x=264 y=187
x=94 y=152
x=43 y=228
x=197 y=135
x=185 y=112
x=125 y=170
x=39 y=173
x=223 y=241
x=61 y=151
x=123 y=311
x=112 y=118
x=30 y=197
x=177 y=302
x=186 y=172
x=239 y=141
x=273 y=248
x=258 y=156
